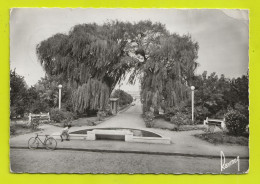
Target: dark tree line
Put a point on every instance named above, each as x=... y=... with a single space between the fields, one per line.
x=214 y=95
x=41 y=97
x=18 y=95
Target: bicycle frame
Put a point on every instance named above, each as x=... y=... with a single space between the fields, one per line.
x=43 y=142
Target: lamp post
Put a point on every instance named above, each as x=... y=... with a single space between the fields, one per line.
x=192 y=102
x=60 y=86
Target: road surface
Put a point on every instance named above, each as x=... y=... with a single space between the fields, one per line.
x=35 y=161
x=131 y=118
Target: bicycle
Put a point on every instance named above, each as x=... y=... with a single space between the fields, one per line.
x=49 y=142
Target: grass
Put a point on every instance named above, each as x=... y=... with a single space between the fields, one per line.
x=20 y=129
x=223 y=138
x=163 y=124
x=92 y=120
x=88 y=121
x=191 y=127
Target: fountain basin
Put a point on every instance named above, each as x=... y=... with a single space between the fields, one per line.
x=119 y=134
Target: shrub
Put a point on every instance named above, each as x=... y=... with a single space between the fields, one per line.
x=16 y=129
x=35 y=123
x=164 y=125
x=149 y=119
x=180 y=119
x=101 y=115
x=61 y=116
x=12 y=129
x=235 y=122
x=124 y=97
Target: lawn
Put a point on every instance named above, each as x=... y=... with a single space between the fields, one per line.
x=87 y=121
x=163 y=124
x=92 y=120
x=223 y=138
x=20 y=129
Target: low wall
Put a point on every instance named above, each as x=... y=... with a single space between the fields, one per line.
x=124 y=135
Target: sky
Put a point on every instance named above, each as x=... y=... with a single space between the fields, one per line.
x=222 y=35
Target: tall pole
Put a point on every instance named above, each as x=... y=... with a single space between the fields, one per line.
x=60 y=86
x=192 y=103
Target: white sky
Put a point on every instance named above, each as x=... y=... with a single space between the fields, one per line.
x=222 y=34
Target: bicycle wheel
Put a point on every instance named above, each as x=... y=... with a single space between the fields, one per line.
x=33 y=143
x=51 y=143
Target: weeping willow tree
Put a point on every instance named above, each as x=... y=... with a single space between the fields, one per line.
x=91 y=95
x=93 y=58
x=168 y=72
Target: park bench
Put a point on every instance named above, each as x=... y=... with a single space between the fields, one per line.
x=212 y=123
x=108 y=134
x=42 y=117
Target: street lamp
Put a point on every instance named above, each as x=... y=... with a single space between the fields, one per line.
x=60 y=86
x=192 y=102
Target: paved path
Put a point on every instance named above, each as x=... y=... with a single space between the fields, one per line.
x=131 y=118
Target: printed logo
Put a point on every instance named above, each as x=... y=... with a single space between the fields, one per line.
x=225 y=165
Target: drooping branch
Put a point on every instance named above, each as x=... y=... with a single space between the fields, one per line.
x=168 y=71
x=104 y=54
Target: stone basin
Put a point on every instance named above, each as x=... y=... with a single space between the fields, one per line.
x=119 y=134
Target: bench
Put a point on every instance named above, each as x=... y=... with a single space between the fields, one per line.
x=108 y=134
x=212 y=123
x=42 y=117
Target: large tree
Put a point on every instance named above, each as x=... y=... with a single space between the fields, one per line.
x=211 y=93
x=94 y=58
x=214 y=95
x=168 y=72
x=47 y=94
x=98 y=55
x=18 y=94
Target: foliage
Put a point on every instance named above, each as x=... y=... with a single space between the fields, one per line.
x=149 y=119
x=95 y=56
x=36 y=99
x=215 y=95
x=61 y=116
x=90 y=96
x=209 y=95
x=239 y=91
x=235 y=122
x=18 y=94
x=44 y=95
x=184 y=107
x=181 y=119
x=20 y=129
x=35 y=123
x=164 y=125
x=103 y=53
x=12 y=129
x=124 y=97
x=238 y=96
x=223 y=138
x=101 y=115
x=167 y=72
